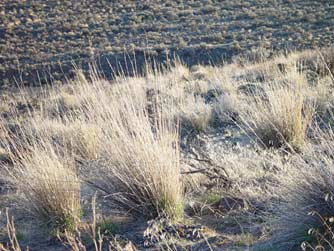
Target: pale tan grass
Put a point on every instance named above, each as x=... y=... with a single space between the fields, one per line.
x=306 y=192
x=78 y=137
x=13 y=244
x=49 y=185
x=140 y=148
x=196 y=112
x=45 y=175
x=282 y=115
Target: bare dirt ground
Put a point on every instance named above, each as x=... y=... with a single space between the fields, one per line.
x=39 y=39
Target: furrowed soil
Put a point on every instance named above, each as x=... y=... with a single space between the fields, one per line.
x=40 y=40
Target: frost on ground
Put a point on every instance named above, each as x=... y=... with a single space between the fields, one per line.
x=233 y=157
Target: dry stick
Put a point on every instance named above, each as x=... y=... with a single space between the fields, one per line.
x=11 y=231
x=214 y=169
x=94 y=223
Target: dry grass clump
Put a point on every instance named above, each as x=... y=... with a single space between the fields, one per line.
x=78 y=137
x=63 y=103
x=305 y=214
x=281 y=115
x=196 y=112
x=202 y=73
x=323 y=96
x=228 y=107
x=68 y=101
x=214 y=77
x=140 y=157
x=49 y=185
x=177 y=71
x=308 y=205
x=196 y=86
x=87 y=140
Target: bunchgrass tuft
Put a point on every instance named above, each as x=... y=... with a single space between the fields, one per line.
x=139 y=166
x=281 y=115
x=307 y=209
x=50 y=186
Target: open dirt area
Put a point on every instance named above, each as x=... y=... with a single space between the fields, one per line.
x=40 y=41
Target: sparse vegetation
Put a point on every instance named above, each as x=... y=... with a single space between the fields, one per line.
x=306 y=218
x=174 y=155
x=13 y=244
x=140 y=147
x=50 y=186
x=37 y=36
x=197 y=113
x=281 y=114
x=190 y=125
